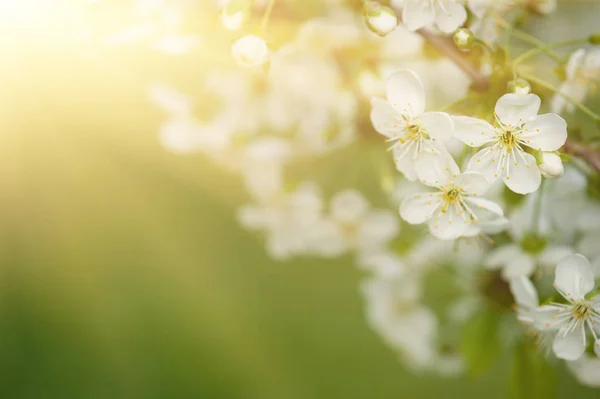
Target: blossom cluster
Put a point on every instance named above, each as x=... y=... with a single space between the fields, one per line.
x=488 y=183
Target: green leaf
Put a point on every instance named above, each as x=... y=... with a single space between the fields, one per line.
x=480 y=344
x=531 y=376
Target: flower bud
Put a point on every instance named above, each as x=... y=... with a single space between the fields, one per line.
x=550 y=165
x=519 y=86
x=379 y=19
x=463 y=38
x=234 y=14
x=250 y=51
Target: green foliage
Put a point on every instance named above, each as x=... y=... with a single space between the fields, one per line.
x=531 y=376
x=480 y=344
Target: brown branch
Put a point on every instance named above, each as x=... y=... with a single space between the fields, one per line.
x=480 y=82
x=446 y=46
x=590 y=155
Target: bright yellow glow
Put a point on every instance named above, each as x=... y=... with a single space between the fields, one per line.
x=22 y=11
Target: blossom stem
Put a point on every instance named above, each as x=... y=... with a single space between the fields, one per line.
x=533 y=52
x=537 y=212
x=265 y=20
x=552 y=88
x=526 y=37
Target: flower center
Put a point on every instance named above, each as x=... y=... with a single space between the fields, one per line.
x=413 y=132
x=508 y=138
x=582 y=310
x=533 y=243
x=451 y=196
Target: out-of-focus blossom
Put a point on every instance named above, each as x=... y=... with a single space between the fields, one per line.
x=586 y=370
x=582 y=70
x=393 y=311
x=284 y=218
x=456 y=205
x=402 y=118
x=445 y=15
x=518 y=126
x=543 y=6
x=234 y=13
x=250 y=51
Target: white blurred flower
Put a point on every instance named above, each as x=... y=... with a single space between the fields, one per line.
x=234 y=13
x=515 y=260
x=582 y=70
x=446 y=15
x=518 y=126
x=456 y=205
x=250 y=51
x=574 y=280
x=393 y=311
x=402 y=118
x=486 y=26
x=285 y=219
x=543 y=6
x=353 y=225
x=586 y=370
x=551 y=165
x=525 y=296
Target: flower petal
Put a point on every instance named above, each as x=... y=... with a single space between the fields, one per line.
x=545 y=318
x=513 y=109
x=419 y=208
x=574 y=277
x=403 y=158
x=482 y=203
x=449 y=224
x=547 y=132
x=438 y=125
x=349 y=206
x=472 y=183
x=524 y=292
x=521 y=265
x=417 y=14
x=406 y=93
x=449 y=16
x=502 y=256
x=436 y=170
x=376 y=230
x=385 y=118
x=522 y=175
x=570 y=345
x=486 y=162
x=473 y=132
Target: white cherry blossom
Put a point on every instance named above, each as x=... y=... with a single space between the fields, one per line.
x=445 y=15
x=518 y=126
x=586 y=370
x=458 y=203
x=354 y=225
x=402 y=118
x=574 y=280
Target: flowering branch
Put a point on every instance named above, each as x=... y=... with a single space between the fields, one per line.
x=446 y=46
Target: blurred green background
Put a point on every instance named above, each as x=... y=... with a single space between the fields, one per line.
x=125 y=275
